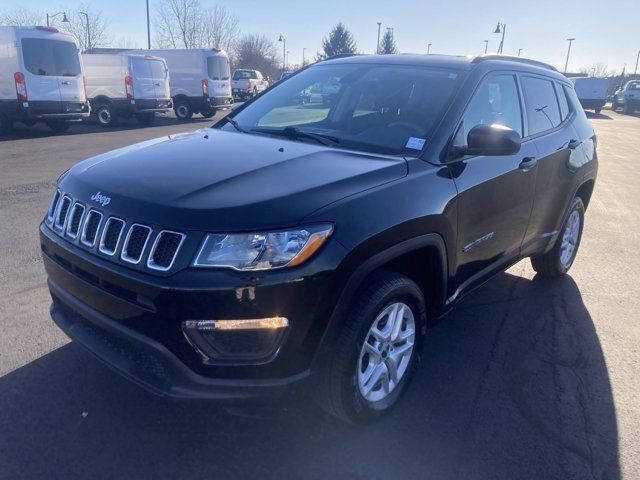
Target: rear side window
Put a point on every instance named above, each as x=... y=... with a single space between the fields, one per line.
x=562 y=99
x=496 y=101
x=541 y=104
x=581 y=122
x=55 y=58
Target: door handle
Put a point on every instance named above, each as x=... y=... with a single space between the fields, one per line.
x=528 y=163
x=573 y=144
x=65 y=82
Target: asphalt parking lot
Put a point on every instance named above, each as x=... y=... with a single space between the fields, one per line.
x=526 y=379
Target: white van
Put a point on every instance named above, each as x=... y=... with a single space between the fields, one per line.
x=41 y=78
x=591 y=91
x=124 y=86
x=200 y=80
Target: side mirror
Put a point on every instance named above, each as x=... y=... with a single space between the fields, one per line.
x=491 y=140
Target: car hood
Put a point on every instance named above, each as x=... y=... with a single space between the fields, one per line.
x=215 y=180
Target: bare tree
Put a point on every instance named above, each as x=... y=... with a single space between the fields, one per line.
x=22 y=16
x=258 y=52
x=187 y=24
x=89 y=25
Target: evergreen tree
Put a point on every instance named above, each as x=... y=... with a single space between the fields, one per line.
x=340 y=40
x=388 y=44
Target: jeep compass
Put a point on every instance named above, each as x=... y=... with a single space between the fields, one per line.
x=314 y=242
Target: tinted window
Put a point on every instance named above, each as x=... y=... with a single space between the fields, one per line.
x=50 y=57
x=218 y=68
x=496 y=101
x=157 y=69
x=581 y=122
x=376 y=108
x=562 y=98
x=541 y=104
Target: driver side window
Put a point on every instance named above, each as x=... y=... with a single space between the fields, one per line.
x=496 y=101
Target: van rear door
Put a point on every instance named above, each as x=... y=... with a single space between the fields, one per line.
x=143 y=82
x=159 y=75
x=219 y=74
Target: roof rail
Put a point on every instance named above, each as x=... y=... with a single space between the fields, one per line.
x=512 y=58
x=341 y=55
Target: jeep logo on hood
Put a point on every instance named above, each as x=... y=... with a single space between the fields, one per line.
x=101 y=199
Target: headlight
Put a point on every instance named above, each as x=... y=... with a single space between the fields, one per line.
x=263 y=250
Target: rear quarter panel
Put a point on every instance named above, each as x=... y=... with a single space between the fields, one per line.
x=9 y=63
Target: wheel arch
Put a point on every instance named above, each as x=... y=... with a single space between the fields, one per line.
x=407 y=258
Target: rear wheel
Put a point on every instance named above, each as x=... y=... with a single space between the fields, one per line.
x=208 y=113
x=6 y=126
x=59 y=126
x=145 y=118
x=183 y=110
x=598 y=110
x=375 y=354
x=105 y=116
x=614 y=104
x=557 y=261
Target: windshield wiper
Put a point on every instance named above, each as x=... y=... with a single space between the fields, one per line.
x=294 y=133
x=235 y=125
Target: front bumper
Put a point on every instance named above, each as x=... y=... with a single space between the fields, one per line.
x=133 y=321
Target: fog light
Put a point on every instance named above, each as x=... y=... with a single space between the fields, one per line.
x=236 y=342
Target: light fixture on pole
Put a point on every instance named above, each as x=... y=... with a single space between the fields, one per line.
x=501 y=28
x=378 y=42
x=284 y=52
x=520 y=51
x=88 y=35
x=566 y=63
x=51 y=17
x=429 y=49
x=486 y=46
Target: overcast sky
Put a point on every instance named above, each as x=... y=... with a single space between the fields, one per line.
x=605 y=31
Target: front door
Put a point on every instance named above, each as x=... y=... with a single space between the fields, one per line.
x=495 y=193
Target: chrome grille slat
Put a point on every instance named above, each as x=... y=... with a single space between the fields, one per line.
x=62 y=211
x=135 y=243
x=165 y=250
x=90 y=228
x=75 y=220
x=53 y=205
x=111 y=235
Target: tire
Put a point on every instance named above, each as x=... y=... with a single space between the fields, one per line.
x=627 y=109
x=342 y=383
x=614 y=104
x=183 y=110
x=59 y=126
x=555 y=263
x=208 y=113
x=105 y=116
x=598 y=110
x=6 y=126
x=145 y=118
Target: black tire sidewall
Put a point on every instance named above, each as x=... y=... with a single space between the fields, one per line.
x=360 y=409
x=185 y=104
x=112 y=119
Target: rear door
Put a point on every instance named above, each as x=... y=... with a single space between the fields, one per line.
x=495 y=193
x=219 y=73
x=40 y=71
x=70 y=81
x=160 y=77
x=143 y=81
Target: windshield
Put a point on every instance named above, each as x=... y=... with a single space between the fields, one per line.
x=377 y=108
x=218 y=67
x=55 y=58
x=243 y=74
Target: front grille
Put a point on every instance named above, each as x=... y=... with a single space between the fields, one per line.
x=63 y=210
x=75 y=220
x=89 y=228
x=135 y=243
x=164 y=250
x=111 y=235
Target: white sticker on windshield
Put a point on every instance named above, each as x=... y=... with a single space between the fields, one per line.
x=415 y=143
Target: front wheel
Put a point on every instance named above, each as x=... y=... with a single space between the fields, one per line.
x=557 y=261
x=627 y=109
x=58 y=126
x=375 y=354
x=208 y=113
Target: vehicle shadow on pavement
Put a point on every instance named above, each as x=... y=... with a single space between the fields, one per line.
x=599 y=116
x=513 y=384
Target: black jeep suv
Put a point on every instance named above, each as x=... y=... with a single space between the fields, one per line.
x=316 y=242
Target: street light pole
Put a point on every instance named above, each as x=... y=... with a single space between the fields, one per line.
x=148 y=29
x=486 y=46
x=88 y=36
x=429 y=49
x=378 y=42
x=51 y=17
x=566 y=63
x=284 y=52
x=635 y=70
x=501 y=27
x=520 y=51
x=303 y=50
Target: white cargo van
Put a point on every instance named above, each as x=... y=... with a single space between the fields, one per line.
x=125 y=85
x=41 y=78
x=200 y=80
x=591 y=91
